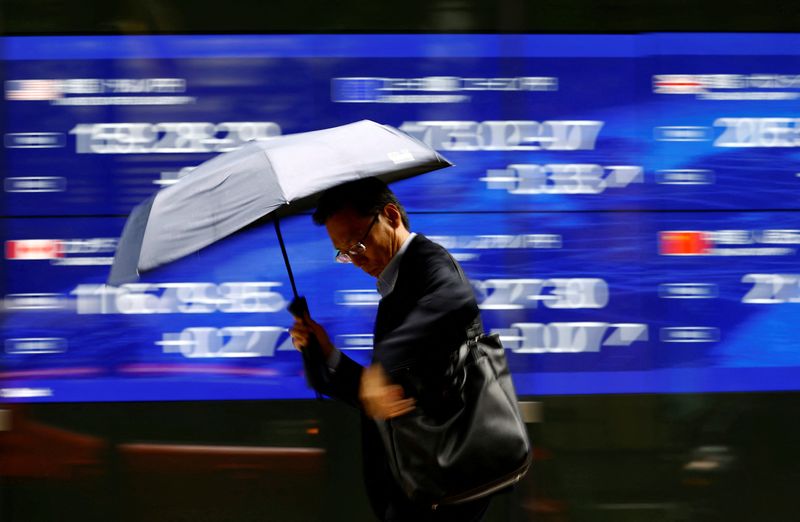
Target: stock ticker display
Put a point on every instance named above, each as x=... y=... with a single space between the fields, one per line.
x=625 y=206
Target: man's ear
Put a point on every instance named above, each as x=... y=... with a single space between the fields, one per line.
x=392 y=213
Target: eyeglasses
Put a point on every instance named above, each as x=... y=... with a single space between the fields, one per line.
x=346 y=256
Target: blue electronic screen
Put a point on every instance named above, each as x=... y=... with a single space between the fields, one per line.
x=624 y=206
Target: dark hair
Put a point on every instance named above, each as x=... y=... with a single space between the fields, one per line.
x=366 y=196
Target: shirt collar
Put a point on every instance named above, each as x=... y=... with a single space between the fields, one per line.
x=388 y=277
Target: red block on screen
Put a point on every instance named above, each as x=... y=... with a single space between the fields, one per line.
x=684 y=243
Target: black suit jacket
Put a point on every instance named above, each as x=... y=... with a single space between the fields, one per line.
x=419 y=325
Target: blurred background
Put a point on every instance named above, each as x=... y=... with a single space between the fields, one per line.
x=624 y=201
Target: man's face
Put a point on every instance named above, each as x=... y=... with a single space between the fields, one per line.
x=346 y=228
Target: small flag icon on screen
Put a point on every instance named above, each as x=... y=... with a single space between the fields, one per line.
x=28 y=249
x=33 y=90
x=675 y=84
x=356 y=90
x=684 y=243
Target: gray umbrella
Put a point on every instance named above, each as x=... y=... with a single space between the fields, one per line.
x=263 y=178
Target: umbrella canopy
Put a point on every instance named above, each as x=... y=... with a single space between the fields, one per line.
x=263 y=178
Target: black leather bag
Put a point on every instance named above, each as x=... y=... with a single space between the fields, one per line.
x=477 y=447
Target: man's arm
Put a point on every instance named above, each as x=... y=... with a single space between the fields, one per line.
x=341 y=374
x=344 y=381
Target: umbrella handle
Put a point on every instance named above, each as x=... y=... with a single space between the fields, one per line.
x=299 y=307
x=313 y=360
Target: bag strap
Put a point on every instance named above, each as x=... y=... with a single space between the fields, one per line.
x=475 y=328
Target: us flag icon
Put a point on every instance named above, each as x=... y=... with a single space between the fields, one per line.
x=684 y=243
x=677 y=84
x=31 y=249
x=33 y=90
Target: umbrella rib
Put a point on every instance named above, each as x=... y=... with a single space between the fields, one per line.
x=275 y=173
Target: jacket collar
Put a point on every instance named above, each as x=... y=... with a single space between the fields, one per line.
x=388 y=278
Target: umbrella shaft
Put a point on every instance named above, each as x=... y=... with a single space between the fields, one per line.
x=277 y=223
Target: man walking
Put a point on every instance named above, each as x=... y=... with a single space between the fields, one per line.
x=425 y=311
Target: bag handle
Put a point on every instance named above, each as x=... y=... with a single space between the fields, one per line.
x=458 y=366
x=475 y=329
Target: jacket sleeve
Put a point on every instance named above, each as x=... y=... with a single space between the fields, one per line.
x=435 y=324
x=341 y=382
x=344 y=381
